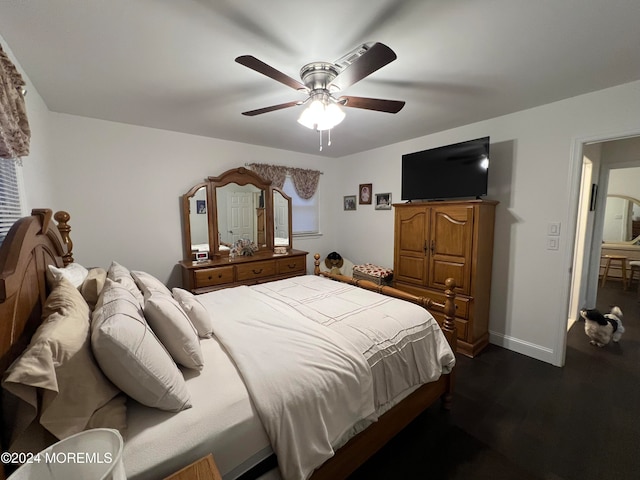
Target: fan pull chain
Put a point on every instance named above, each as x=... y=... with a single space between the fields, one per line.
x=329 y=137
x=320 y=132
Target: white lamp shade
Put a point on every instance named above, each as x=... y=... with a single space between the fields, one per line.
x=318 y=116
x=90 y=455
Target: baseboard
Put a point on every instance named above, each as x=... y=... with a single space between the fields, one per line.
x=532 y=350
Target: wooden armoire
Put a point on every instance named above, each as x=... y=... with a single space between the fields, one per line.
x=441 y=239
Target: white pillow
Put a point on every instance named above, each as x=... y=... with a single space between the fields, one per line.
x=196 y=312
x=173 y=328
x=149 y=284
x=74 y=272
x=121 y=274
x=131 y=355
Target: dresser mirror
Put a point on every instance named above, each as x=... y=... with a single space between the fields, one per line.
x=197 y=231
x=238 y=204
x=621 y=220
x=281 y=218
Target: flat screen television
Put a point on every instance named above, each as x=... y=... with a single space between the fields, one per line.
x=460 y=170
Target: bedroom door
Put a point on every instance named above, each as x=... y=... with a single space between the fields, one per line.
x=240 y=214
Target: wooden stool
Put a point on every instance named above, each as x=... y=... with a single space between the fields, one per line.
x=623 y=264
x=635 y=267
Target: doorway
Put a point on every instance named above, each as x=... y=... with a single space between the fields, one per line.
x=598 y=158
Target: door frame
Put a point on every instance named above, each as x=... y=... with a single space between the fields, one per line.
x=572 y=283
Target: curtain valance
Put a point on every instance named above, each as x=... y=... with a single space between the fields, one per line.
x=304 y=180
x=14 y=127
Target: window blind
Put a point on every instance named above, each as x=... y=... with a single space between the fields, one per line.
x=10 y=206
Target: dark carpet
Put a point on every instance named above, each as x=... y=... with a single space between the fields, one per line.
x=518 y=418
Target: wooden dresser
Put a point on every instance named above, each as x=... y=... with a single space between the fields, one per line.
x=437 y=240
x=223 y=272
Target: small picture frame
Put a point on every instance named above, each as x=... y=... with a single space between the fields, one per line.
x=383 y=201
x=201 y=206
x=349 y=202
x=364 y=194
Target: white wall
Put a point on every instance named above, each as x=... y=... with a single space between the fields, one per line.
x=534 y=174
x=122 y=186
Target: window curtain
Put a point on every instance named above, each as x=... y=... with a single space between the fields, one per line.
x=14 y=127
x=271 y=173
x=304 y=180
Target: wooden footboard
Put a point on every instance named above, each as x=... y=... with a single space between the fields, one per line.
x=448 y=308
x=364 y=445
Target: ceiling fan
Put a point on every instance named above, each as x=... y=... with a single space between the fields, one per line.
x=322 y=80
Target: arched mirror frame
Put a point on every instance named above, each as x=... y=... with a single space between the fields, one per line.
x=186 y=218
x=240 y=176
x=287 y=198
x=635 y=240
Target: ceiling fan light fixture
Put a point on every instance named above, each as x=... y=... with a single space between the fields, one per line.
x=321 y=114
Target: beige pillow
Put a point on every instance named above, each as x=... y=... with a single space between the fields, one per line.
x=121 y=274
x=173 y=328
x=149 y=284
x=93 y=285
x=74 y=272
x=131 y=355
x=196 y=312
x=59 y=366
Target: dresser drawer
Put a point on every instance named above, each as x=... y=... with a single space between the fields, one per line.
x=209 y=277
x=255 y=270
x=291 y=265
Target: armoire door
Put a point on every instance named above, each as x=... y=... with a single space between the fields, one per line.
x=450 y=245
x=411 y=240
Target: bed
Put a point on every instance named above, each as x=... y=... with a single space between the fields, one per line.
x=240 y=436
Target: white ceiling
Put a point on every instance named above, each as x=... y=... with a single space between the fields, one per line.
x=170 y=64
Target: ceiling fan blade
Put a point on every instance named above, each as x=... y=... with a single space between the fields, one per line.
x=389 y=106
x=272 y=108
x=373 y=59
x=259 y=66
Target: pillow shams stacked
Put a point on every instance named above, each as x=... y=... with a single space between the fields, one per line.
x=59 y=369
x=174 y=329
x=121 y=274
x=169 y=321
x=131 y=355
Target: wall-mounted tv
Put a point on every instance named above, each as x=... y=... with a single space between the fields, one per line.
x=460 y=170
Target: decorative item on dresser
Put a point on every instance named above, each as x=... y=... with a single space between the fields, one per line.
x=438 y=240
x=244 y=210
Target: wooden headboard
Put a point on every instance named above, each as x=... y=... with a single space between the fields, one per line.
x=32 y=243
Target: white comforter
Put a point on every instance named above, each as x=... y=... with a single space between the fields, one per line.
x=319 y=358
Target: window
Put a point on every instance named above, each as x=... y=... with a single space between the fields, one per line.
x=10 y=205
x=304 y=213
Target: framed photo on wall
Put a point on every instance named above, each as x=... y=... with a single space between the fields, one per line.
x=364 y=193
x=383 y=201
x=349 y=202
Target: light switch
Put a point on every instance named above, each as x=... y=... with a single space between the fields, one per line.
x=553 y=243
x=554 y=229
